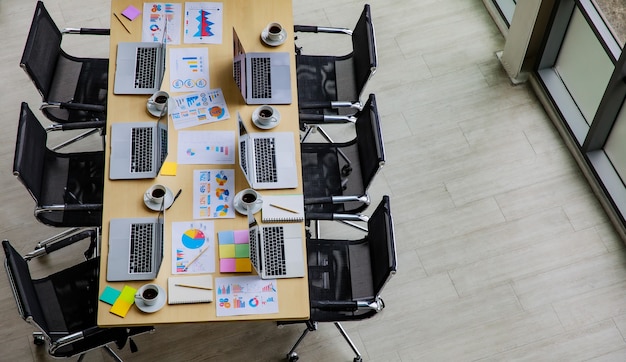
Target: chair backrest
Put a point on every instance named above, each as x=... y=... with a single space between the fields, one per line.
x=382 y=245
x=369 y=140
x=364 y=49
x=23 y=287
x=42 y=50
x=30 y=152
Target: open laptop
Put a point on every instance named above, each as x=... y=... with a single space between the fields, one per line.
x=267 y=159
x=140 y=66
x=276 y=249
x=135 y=248
x=138 y=149
x=262 y=78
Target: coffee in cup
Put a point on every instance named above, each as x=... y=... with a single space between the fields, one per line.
x=275 y=32
x=267 y=116
x=158 y=100
x=148 y=294
x=156 y=193
x=250 y=198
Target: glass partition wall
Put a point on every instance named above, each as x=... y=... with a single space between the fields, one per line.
x=506 y=9
x=582 y=69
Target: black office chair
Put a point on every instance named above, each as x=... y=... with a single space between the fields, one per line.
x=336 y=176
x=66 y=187
x=328 y=83
x=73 y=89
x=63 y=307
x=346 y=277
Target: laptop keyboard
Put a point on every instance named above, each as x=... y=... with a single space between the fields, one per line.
x=163 y=145
x=145 y=67
x=254 y=252
x=141 y=149
x=274 y=249
x=141 y=248
x=244 y=158
x=265 y=160
x=237 y=73
x=261 y=78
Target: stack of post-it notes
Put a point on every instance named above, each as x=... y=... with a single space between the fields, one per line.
x=120 y=301
x=234 y=250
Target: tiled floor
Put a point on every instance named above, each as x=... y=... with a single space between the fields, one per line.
x=504 y=252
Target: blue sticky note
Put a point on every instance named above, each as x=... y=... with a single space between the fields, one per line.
x=109 y=295
x=225 y=237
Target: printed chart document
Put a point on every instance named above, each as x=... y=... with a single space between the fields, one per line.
x=245 y=295
x=154 y=17
x=206 y=147
x=213 y=194
x=189 y=69
x=203 y=23
x=193 y=109
x=193 y=247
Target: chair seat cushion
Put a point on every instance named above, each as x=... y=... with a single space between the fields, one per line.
x=317 y=79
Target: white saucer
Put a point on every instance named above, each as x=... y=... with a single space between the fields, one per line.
x=241 y=209
x=169 y=200
x=273 y=43
x=160 y=302
x=255 y=119
x=152 y=109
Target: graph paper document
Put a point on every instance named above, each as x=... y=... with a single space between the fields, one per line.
x=245 y=295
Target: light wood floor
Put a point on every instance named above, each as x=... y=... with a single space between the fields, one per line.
x=504 y=252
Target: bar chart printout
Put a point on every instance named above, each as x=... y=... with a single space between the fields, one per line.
x=245 y=295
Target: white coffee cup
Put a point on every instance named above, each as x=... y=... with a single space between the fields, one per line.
x=156 y=193
x=250 y=198
x=275 y=32
x=266 y=116
x=148 y=294
x=158 y=100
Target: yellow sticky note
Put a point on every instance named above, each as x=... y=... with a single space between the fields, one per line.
x=227 y=251
x=169 y=168
x=124 y=301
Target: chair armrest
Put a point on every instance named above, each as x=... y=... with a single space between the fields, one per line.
x=335 y=217
x=310 y=118
x=55 y=245
x=74 y=106
x=321 y=29
x=87 y=31
x=365 y=199
x=76 y=125
x=68 y=207
x=330 y=104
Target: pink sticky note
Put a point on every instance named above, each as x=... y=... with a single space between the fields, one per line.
x=227 y=265
x=131 y=12
x=242 y=237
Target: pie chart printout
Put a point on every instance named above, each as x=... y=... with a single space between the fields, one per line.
x=193 y=238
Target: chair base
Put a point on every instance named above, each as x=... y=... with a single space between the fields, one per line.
x=292 y=356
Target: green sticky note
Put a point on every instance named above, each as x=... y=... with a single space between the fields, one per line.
x=242 y=250
x=109 y=295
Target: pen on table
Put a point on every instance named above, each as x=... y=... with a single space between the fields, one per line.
x=196 y=258
x=121 y=22
x=176 y=196
x=284 y=208
x=193 y=286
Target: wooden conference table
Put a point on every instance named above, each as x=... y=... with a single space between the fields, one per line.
x=124 y=198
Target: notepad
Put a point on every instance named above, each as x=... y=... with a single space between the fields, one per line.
x=190 y=289
x=283 y=208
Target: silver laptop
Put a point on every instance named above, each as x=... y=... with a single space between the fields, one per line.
x=135 y=248
x=276 y=249
x=140 y=66
x=262 y=78
x=267 y=159
x=138 y=149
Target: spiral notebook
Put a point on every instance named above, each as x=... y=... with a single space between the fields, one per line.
x=282 y=208
x=190 y=289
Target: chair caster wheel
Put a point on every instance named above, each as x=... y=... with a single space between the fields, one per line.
x=358 y=359
x=292 y=357
x=39 y=340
